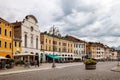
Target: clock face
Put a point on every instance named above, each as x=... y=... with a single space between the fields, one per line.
x=31 y=28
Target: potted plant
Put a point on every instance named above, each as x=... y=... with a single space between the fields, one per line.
x=90 y=64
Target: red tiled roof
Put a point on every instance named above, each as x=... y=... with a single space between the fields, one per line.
x=17 y=23
x=74 y=39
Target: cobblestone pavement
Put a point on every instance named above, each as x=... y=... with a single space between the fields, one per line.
x=103 y=72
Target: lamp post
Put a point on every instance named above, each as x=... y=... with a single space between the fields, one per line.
x=53 y=64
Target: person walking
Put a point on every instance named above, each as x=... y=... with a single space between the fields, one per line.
x=35 y=63
x=26 y=64
x=38 y=64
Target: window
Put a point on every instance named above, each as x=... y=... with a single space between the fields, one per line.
x=46 y=47
x=31 y=40
x=31 y=28
x=10 y=33
x=5 y=32
x=59 y=49
x=5 y=44
x=49 y=41
x=19 y=44
x=64 y=44
x=42 y=42
x=0 y=44
x=10 y=45
x=59 y=43
x=55 y=42
x=41 y=47
x=25 y=41
x=46 y=40
x=49 y=48
x=76 y=45
x=54 y=48
x=0 y=30
x=36 y=43
x=15 y=43
x=64 y=50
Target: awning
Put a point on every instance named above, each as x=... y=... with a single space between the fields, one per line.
x=77 y=57
x=1 y=57
x=55 y=57
x=24 y=54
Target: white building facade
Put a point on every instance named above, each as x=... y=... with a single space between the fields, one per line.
x=30 y=35
x=79 y=50
x=100 y=52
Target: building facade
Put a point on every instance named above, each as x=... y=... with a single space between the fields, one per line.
x=28 y=32
x=62 y=46
x=17 y=41
x=6 y=39
x=79 y=47
x=95 y=50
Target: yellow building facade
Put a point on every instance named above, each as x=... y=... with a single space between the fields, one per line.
x=62 y=46
x=6 y=39
x=17 y=46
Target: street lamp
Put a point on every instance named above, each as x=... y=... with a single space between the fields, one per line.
x=53 y=64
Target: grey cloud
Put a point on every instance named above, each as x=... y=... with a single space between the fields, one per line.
x=67 y=6
x=90 y=20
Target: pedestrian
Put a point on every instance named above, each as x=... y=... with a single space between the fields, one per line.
x=35 y=63
x=0 y=64
x=38 y=64
x=3 y=63
x=26 y=64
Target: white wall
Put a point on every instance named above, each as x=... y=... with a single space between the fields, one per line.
x=26 y=29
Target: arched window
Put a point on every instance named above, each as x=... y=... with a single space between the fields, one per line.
x=31 y=41
x=36 y=43
x=25 y=40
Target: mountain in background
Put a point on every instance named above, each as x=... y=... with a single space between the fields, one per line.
x=116 y=48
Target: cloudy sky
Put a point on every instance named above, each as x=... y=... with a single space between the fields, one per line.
x=90 y=20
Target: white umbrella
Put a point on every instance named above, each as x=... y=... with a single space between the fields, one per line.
x=1 y=57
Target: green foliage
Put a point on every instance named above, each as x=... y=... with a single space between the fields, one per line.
x=90 y=62
x=12 y=60
x=19 y=62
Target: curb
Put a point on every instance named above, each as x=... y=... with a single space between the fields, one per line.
x=48 y=68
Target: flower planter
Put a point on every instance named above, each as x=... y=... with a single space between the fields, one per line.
x=90 y=67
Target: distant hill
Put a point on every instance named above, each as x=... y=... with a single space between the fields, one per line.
x=117 y=48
